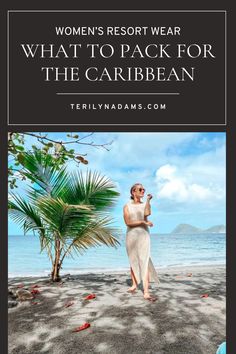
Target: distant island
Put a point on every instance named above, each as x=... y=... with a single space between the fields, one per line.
x=189 y=229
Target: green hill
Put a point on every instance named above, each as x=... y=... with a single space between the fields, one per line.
x=186 y=229
x=217 y=229
x=190 y=229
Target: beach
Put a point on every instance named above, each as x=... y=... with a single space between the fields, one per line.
x=188 y=316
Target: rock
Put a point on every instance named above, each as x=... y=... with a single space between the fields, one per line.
x=70 y=278
x=24 y=295
x=12 y=303
x=12 y=293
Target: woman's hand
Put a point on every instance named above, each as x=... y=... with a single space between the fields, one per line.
x=148 y=223
x=149 y=196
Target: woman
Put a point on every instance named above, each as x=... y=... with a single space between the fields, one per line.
x=138 y=240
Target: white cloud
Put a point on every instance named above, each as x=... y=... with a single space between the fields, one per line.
x=184 y=186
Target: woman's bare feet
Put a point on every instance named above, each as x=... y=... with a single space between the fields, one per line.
x=132 y=289
x=149 y=297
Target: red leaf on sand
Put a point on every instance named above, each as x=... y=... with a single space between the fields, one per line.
x=68 y=304
x=20 y=286
x=35 y=291
x=34 y=303
x=204 y=295
x=34 y=286
x=81 y=328
x=90 y=297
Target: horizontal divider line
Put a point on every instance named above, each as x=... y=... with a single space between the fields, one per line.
x=118 y=93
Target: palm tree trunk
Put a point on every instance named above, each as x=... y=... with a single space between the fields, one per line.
x=56 y=266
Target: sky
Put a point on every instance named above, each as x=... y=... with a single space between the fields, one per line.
x=185 y=173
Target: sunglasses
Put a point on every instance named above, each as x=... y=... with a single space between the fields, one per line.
x=141 y=189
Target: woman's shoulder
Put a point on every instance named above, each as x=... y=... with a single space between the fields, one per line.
x=128 y=203
x=131 y=203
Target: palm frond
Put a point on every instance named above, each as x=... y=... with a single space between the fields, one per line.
x=98 y=232
x=93 y=189
x=62 y=218
x=25 y=214
x=42 y=169
x=29 y=219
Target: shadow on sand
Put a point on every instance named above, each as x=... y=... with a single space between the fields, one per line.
x=179 y=322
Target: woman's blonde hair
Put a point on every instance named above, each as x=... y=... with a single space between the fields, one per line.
x=132 y=188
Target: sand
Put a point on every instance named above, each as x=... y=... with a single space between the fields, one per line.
x=179 y=322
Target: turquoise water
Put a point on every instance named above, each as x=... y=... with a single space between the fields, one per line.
x=25 y=259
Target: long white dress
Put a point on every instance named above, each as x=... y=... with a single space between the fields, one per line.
x=138 y=245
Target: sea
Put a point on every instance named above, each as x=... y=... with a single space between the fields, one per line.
x=167 y=250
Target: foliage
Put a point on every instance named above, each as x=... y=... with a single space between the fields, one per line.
x=68 y=211
x=60 y=151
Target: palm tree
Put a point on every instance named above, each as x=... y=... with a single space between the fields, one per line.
x=70 y=212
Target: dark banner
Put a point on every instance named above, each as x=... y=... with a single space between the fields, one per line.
x=116 y=67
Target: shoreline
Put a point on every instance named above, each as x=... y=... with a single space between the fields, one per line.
x=120 y=271
x=180 y=321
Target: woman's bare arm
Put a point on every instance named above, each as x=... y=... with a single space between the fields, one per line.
x=149 y=223
x=147 y=209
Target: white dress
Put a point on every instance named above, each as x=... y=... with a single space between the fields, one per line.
x=138 y=245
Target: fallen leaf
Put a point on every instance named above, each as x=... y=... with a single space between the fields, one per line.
x=35 y=291
x=81 y=328
x=34 y=286
x=204 y=295
x=34 y=303
x=20 y=286
x=189 y=274
x=90 y=297
x=68 y=304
